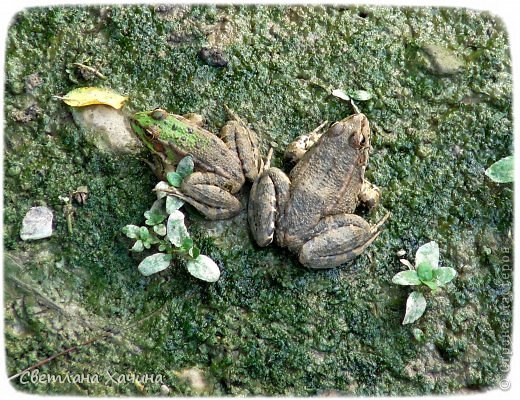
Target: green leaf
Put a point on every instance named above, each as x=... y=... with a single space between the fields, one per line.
x=144 y=233
x=160 y=229
x=415 y=306
x=137 y=247
x=161 y=185
x=418 y=335
x=158 y=206
x=428 y=253
x=174 y=179
x=444 y=275
x=194 y=252
x=407 y=263
x=147 y=244
x=162 y=247
x=360 y=95
x=425 y=272
x=153 y=239
x=153 y=219
x=502 y=171
x=431 y=284
x=157 y=213
x=154 y=263
x=176 y=230
x=132 y=231
x=204 y=268
x=187 y=244
x=340 y=94
x=406 y=278
x=185 y=167
x=173 y=203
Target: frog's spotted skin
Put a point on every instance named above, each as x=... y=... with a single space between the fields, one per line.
x=221 y=166
x=311 y=212
x=174 y=130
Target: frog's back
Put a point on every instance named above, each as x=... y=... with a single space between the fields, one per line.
x=209 y=152
x=326 y=181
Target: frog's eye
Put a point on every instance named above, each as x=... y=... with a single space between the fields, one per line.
x=152 y=132
x=159 y=114
x=357 y=140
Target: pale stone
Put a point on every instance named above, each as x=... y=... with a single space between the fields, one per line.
x=107 y=128
x=443 y=60
x=37 y=224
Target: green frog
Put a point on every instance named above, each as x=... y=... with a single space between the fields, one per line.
x=311 y=212
x=221 y=166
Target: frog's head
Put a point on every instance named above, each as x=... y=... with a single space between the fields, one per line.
x=148 y=125
x=351 y=137
x=354 y=131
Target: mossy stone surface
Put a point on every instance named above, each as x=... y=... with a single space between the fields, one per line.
x=268 y=326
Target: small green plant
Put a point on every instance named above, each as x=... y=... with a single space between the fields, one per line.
x=164 y=227
x=426 y=272
x=352 y=95
x=502 y=171
x=358 y=95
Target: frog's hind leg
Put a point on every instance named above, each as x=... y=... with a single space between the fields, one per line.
x=267 y=200
x=338 y=239
x=207 y=193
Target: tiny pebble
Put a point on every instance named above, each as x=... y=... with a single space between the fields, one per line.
x=37 y=224
x=213 y=57
x=165 y=390
x=401 y=253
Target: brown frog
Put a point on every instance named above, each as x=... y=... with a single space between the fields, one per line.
x=311 y=211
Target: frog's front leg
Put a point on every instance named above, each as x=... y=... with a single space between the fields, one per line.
x=297 y=148
x=370 y=194
x=338 y=239
x=158 y=167
x=267 y=201
x=244 y=142
x=210 y=194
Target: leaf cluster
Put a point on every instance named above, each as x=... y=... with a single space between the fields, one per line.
x=165 y=227
x=425 y=272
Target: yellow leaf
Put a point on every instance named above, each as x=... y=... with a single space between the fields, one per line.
x=139 y=385
x=87 y=96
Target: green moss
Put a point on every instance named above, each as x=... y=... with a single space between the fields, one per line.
x=268 y=327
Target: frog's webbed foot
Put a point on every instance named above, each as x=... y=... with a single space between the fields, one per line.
x=269 y=195
x=297 y=149
x=339 y=238
x=370 y=194
x=206 y=192
x=244 y=142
